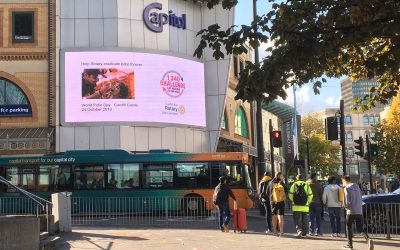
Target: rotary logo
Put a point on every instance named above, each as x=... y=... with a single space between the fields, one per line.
x=182 y=109
x=172 y=84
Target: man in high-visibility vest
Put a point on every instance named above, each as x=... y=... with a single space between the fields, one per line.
x=300 y=194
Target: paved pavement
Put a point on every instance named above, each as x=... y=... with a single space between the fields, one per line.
x=107 y=238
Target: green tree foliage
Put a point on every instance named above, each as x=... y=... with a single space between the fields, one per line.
x=313 y=39
x=323 y=154
x=387 y=136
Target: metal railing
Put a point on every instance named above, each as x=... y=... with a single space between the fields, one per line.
x=143 y=211
x=382 y=219
x=30 y=204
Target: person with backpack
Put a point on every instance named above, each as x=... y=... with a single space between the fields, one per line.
x=315 y=205
x=277 y=195
x=354 y=212
x=300 y=195
x=221 y=200
x=264 y=199
x=330 y=198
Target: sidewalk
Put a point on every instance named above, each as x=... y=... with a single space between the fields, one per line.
x=124 y=238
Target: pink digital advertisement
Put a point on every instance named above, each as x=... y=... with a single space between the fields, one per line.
x=133 y=87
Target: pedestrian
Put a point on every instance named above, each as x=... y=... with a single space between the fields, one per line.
x=330 y=197
x=264 y=199
x=221 y=200
x=300 y=195
x=277 y=196
x=354 y=213
x=315 y=205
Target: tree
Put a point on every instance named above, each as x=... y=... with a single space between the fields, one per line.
x=313 y=39
x=324 y=158
x=387 y=136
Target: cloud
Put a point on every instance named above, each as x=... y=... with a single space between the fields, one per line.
x=263 y=47
x=330 y=100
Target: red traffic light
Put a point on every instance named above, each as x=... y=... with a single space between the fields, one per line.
x=276 y=139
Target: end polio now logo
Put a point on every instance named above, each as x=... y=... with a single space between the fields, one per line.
x=172 y=84
x=155 y=21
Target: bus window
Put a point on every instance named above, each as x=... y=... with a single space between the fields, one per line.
x=158 y=176
x=192 y=175
x=89 y=177
x=12 y=176
x=123 y=175
x=234 y=172
x=54 y=178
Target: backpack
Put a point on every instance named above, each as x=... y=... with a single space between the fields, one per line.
x=263 y=190
x=300 y=195
x=217 y=196
x=278 y=193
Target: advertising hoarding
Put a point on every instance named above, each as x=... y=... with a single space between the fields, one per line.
x=111 y=86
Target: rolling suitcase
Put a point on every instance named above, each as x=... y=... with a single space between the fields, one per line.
x=239 y=219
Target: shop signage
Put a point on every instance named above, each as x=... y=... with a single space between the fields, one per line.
x=15 y=110
x=155 y=21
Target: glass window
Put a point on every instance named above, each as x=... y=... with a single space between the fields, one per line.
x=158 y=176
x=349 y=136
x=240 y=122
x=235 y=66
x=89 y=177
x=223 y=122
x=371 y=120
x=54 y=178
x=377 y=119
x=366 y=120
x=12 y=176
x=192 y=175
x=235 y=174
x=348 y=120
x=23 y=26
x=123 y=175
x=11 y=94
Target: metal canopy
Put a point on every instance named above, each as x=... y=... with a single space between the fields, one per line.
x=282 y=110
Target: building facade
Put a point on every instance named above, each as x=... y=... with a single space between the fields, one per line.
x=27 y=73
x=134 y=26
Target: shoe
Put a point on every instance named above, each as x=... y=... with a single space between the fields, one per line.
x=299 y=234
x=222 y=229
x=370 y=244
x=226 y=229
x=333 y=235
x=304 y=236
x=348 y=247
x=339 y=235
x=267 y=232
x=314 y=234
x=281 y=235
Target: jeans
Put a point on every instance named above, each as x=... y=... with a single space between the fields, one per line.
x=268 y=215
x=315 y=217
x=334 y=217
x=300 y=220
x=358 y=219
x=224 y=214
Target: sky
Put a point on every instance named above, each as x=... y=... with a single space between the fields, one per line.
x=307 y=101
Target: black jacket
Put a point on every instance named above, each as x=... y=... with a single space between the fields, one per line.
x=224 y=192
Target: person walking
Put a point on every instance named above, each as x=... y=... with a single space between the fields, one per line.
x=330 y=198
x=277 y=196
x=264 y=199
x=221 y=200
x=353 y=206
x=300 y=194
x=315 y=205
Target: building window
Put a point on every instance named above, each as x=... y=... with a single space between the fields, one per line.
x=23 y=26
x=377 y=119
x=366 y=120
x=235 y=66
x=371 y=120
x=13 y=101
x=348 y=120
x=223 y=121
x=241 y=123
x=349 y=136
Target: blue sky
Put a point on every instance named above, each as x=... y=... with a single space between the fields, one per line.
x=307 y=101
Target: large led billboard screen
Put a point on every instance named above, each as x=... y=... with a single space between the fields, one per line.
x=111 y=86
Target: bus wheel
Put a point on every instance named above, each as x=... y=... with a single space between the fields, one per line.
x=193 y=205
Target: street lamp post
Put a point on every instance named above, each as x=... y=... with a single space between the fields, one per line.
x=259 y=124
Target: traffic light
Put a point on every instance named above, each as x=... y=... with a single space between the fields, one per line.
x=359 y=146
x=331 y=129
x=276 y=139
x=374 y=149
